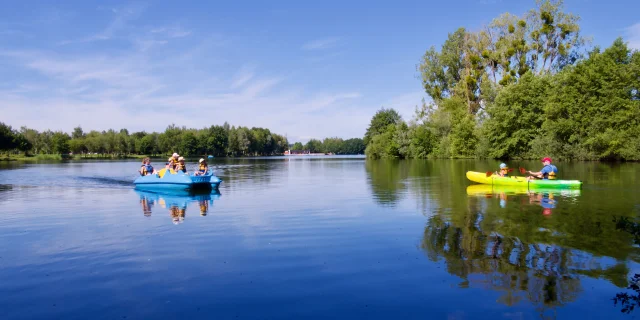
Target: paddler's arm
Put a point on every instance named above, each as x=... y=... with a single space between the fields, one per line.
x=537 y=174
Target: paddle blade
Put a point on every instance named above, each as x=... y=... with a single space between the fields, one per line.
x=489 y=173
x=510 y=170
x=523 y=171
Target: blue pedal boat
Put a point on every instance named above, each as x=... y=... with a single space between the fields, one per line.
x=176 y=181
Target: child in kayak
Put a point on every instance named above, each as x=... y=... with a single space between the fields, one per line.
x=203 y=168
x=549 y=171
x=146 y=168
x=504 y=170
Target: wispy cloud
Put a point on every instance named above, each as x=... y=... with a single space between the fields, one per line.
x=200 y=76
x=632 y=35
x=244 y=75
x=104 y=91
x=12 y=32
x=121 y=17
x=172 y=32
x=321 y=44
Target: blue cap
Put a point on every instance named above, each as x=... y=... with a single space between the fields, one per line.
x=502 y=166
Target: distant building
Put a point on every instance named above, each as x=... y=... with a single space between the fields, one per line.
x=296 y=152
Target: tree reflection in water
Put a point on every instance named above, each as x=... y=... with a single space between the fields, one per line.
x=628 y=302
x=488 y=247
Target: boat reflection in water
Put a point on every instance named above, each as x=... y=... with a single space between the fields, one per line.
x=546 y=198
x=177 y=201
x=496 y=240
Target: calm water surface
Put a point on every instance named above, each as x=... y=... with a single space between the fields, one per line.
x=322 y=238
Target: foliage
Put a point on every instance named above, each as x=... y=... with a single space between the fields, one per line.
x=516 y=117
x=297 y=146
x=593 y=111
x=217 y=140
x=314 y=146
x=520 y=87
x=379 y=123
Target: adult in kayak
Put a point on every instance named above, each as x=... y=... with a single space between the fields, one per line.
x=549 y=171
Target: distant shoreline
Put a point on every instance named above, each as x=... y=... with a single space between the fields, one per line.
x=57 y=157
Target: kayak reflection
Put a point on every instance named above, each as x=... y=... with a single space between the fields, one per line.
x=546 y=198
x=177 y=201
x=527 y=258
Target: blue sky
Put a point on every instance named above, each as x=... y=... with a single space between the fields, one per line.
x=308 y=70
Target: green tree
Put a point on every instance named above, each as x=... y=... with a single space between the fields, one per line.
x=147 y=145
x=188 y=144
x=217 y=140
x=314 y=146
x=22 y=143
x=6 y=137
x=353 y=146
x=379 y=123
x=60 y=143
x=77 y=133
x=384 y=145
x=297 y=146
x=593 y=111
x=77 y=145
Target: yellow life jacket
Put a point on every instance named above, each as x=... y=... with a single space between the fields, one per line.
x=181 y=167
x=202 y=167
x=172 y=163
x=552 y=175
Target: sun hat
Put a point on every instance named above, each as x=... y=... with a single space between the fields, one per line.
x=546 y=159
x=175 y=155
x=503 y=165
x=181 y=159
x=201 y=160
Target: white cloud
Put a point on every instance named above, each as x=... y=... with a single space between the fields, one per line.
x=632 y=34
x=103 y=91
x=320 y=44
x=188 y=83
x=242 y=77
x=122 y=16
x=172 y=32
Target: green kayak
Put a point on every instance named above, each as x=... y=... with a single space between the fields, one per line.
x=481 y=177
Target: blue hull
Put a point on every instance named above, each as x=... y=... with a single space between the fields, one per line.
x=177 y=181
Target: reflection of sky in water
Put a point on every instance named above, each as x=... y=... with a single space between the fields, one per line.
x=294 y=238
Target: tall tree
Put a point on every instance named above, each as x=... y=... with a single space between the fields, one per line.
x=379 y=123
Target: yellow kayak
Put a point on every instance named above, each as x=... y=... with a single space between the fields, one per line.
x=486 y=189
x=481 y=177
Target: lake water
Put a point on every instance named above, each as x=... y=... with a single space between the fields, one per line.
x=315 y=237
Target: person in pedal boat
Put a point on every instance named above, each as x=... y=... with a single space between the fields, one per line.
x=202 y=168
x=504 y=170
x=549 y=171
x=181 y=166
x=146 y=168
x=172 y=163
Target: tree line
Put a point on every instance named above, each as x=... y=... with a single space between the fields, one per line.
x=224 y=140
x=332 y=145
x=216 y=140
x=521 y=87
